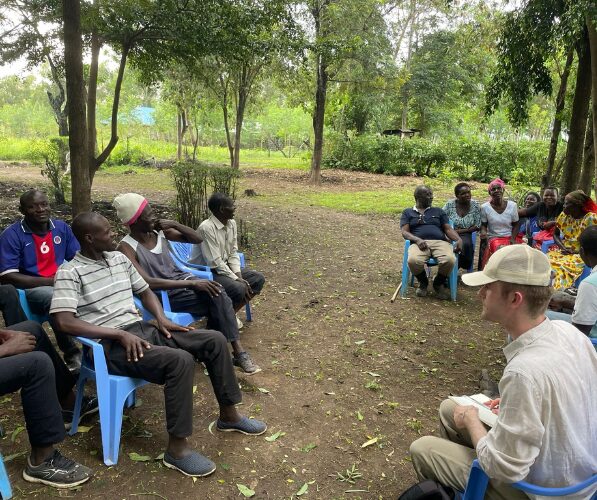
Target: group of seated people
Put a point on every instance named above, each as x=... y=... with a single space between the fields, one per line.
x=499 y=222
x=85 y=282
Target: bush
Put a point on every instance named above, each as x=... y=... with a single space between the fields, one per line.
x=466 y=158
x=192 y=180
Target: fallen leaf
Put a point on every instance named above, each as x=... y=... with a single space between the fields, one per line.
x=84 y=428
x=16 y=432
x=135 y=457
x=307 y=448
x=194 y=389
x=330 y=393
x=360 y=342
x=374 y=374
x=263 y=390
x=160 y=457
x=15 y=455
x=275 y=436
x=359 y=415
x=303 y=490
x=211 y=426
x=247 y=492
x=370 y=442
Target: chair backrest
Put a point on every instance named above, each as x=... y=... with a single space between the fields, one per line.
x=478 y=480
x=181 y=250
x=27 y=310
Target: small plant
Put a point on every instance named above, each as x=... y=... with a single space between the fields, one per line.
x=350 y=475
x=373 y=385
x=415 y=425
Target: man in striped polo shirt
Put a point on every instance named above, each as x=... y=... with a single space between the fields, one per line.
x=93 y=298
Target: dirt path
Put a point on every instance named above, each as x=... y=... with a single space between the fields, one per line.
x=342 y=366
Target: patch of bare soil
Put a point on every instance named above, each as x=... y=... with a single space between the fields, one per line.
x=342 y=367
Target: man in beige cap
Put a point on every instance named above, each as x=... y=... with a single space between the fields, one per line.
x=546 y=430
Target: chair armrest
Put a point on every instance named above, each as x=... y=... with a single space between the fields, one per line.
x=203 y=272
x=546 y=244
x=99 y=359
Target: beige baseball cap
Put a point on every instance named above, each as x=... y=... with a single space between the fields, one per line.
x=518 y=264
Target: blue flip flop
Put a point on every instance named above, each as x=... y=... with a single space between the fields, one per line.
x=194 y=465
x=245 y=425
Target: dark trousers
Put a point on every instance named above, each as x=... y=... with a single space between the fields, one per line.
x=10 y=305
x=465 y=259
x=39 y=300
x=235 y=290
x=42 y=378
x=171 y=363
x=219 y=310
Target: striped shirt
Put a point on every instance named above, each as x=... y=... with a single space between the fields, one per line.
x=99 y=292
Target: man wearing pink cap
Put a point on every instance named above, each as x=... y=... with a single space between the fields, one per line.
x=546 y=431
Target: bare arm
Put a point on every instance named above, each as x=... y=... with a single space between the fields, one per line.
x=515 y=231
x=407 y=235
x=175 y=231
x=467 y=417
x=20 y=280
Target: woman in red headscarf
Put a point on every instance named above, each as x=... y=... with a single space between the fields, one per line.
x=579 y=212
x=499 y=221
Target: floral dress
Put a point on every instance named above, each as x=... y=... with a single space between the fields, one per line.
x=568 y=268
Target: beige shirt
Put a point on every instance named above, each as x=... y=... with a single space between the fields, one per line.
x=546 y=432
x=219 y=249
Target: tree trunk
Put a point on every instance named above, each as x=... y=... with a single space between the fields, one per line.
x=57 y=101
x=224 y=103
x=75 y=92
x=96 y=46
x=178 y=136
x=243 y=90
x=588 y=163
x=546 y=180
x=318 y=120
x=578 y=119
x=405 y=93
x=592 y=29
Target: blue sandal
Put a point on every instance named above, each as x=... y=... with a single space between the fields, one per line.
x=245 y=425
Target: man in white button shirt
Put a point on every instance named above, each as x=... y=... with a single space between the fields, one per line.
x=219 y=251
x=546 y=431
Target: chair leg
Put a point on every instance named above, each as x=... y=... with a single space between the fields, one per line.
x=5 y=489
x=248 y=314
x=111 y=432
x=131 y=400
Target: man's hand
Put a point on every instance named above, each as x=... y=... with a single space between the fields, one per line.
x=165 y=326
x=464 y=415
x=165 y=224
x=14 y=342
x=458 y=247
x=248 y=290
x=494 y=405
x=133 y=346
x=211 y=287
x=422 y=244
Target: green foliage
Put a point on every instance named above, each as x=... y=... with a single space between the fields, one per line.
x=478 y=159
x=55 y=169
x=193 y=181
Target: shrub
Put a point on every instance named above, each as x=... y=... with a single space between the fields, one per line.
x=192 y=180
x=462 y=158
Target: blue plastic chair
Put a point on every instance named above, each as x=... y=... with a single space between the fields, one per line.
x=113 y=393
x=181 y=253
x=407 y=276
x=474 y=239
x=5 y=489
x=180 y=318
x=27 y=310
x=478 y=480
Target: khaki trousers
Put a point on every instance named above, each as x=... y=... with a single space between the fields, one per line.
x=440 y=250
x=448 y=459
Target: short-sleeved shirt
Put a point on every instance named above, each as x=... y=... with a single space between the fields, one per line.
x=471 y=219
x=22 y=251
x=99 y=292
x=585 y=306
x=499 y=225
x=428 y=226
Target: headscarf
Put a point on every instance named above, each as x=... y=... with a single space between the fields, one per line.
x=579 y=198
x=129 y=207
x=496 y=182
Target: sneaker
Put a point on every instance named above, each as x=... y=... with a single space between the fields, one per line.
x=89 y=406
x=57 y=471
x=245 y=363
x=239 y=323
x=421 y=292
x=194 y=464
x=245 y=425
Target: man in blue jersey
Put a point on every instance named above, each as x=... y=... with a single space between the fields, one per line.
x=31 y=250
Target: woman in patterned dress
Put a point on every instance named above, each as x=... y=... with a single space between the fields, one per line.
x=579 y=212
x=466 y=216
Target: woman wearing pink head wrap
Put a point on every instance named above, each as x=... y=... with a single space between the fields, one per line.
x=499 y=221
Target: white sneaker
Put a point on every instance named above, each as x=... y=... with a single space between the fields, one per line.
x=239 y=323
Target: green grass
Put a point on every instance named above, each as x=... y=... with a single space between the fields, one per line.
x=20 y=149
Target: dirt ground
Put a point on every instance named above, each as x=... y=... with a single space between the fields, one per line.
x=342 y=366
